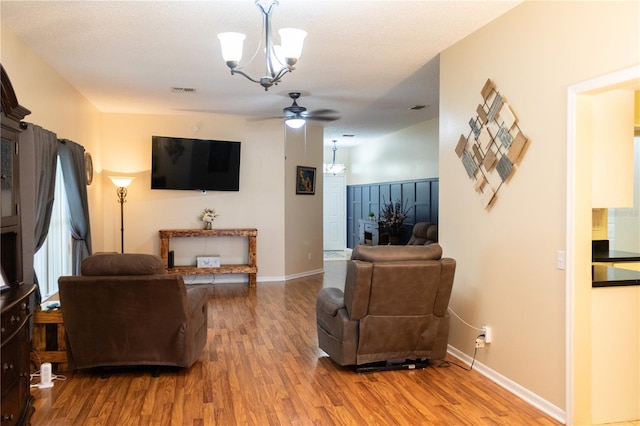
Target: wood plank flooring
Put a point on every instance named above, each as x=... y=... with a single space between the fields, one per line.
x=262 y=366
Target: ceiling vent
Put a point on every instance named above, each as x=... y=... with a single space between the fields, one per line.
x=183 y=90
x=417 y=107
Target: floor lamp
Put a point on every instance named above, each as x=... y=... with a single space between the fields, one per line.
x=121 y=182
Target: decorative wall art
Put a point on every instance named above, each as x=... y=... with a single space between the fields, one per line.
x=305 y=180
x=493 y=146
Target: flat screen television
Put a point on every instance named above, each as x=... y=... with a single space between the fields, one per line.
x=205 y=165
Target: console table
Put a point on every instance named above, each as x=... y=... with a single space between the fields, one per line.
x=370 y=234
x=250 y=268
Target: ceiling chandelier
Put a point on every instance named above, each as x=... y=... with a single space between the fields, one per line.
x=279 y=60
x=333 y=167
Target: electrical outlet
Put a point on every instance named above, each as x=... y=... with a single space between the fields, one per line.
x=488 y=336
x=561 y=260
x=479 y=342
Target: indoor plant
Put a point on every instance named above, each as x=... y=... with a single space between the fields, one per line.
x=392 y=217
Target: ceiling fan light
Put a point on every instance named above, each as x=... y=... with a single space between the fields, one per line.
x=231 y=46
x=292 y=41
x=294 y=123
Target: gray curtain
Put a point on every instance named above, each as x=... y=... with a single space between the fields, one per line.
x=45 y=146
x=75 y=184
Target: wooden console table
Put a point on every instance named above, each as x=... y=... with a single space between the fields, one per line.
x=250 y=268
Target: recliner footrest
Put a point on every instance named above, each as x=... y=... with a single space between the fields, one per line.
x=392 y=365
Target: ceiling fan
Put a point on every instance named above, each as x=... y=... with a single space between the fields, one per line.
x=296 y=115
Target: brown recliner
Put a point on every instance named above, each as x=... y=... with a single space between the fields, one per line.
x=394 y=306
x=424 y=233
x=125 y=310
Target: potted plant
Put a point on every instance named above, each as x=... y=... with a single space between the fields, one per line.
x=207 y=216
x=392 y=220
x=372 y=216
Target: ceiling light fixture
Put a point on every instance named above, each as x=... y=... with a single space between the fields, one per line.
x=294 y=123
x=334 y=168
x=279 y=60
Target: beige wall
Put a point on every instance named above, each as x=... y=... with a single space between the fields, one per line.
x=303 y=213
x=121 y=144
x=56 y=106
x=507 y=276
x=411 y=153
x=259 y=203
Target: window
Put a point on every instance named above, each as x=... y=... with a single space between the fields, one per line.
x=54 y=257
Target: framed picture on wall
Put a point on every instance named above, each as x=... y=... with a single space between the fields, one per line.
x=305 y=180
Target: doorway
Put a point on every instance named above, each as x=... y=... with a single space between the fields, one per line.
x=579 y=310
x=334 y=216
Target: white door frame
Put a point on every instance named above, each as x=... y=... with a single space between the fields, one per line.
x=616 y=78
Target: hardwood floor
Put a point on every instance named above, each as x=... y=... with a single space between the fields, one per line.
x=262 y=366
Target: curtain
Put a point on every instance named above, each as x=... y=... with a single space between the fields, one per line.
x=75 y=182
x=45 y=146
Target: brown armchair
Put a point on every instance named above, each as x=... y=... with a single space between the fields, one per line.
x=394 y=306
x=424 y=233
x=125 y=310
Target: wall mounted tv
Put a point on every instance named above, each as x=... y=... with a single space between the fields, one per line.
x=183 y=163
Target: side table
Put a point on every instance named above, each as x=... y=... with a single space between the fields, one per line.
x=48 y=340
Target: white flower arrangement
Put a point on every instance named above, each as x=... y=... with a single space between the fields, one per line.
x=208 y=215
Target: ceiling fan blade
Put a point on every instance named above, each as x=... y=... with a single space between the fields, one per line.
x=321 y=118
x=322 y=111
x=265 y=118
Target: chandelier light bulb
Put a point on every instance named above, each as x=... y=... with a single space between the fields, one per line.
x=292 y=40
x=231 y=45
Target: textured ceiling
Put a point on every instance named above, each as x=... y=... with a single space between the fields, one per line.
x=368 y=60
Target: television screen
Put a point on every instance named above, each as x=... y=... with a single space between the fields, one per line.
x=183 y=163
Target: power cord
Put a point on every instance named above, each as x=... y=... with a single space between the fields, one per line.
x=463 y=321
x=479 y=343
x=38 y=372
x=446 y=364
x=53 y=377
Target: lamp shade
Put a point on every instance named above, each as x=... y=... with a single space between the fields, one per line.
x=294 y=123
x=292 y=40
x=231 y=46
x=121 y=181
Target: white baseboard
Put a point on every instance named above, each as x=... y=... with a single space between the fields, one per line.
x=303 y=274
x=513 y=387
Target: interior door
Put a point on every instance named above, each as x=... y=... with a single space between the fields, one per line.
x=334 y=216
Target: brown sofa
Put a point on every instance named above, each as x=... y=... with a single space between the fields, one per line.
x=424 y=233
x=125 y=310
x=394 y=306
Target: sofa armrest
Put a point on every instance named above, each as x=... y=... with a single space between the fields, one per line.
x=330 y=301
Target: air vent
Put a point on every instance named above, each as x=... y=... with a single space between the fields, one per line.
x=417 y=107
x=183 y=90
x=348 y=136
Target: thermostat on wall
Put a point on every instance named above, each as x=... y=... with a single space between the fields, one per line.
x=208 y=261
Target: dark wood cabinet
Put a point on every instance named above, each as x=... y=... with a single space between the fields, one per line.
x=16 y=298
x=10 y=206
x=17 y=311
x=11 y=239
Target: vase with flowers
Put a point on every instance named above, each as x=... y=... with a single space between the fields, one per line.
x=207 y=217
x=392 y=219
